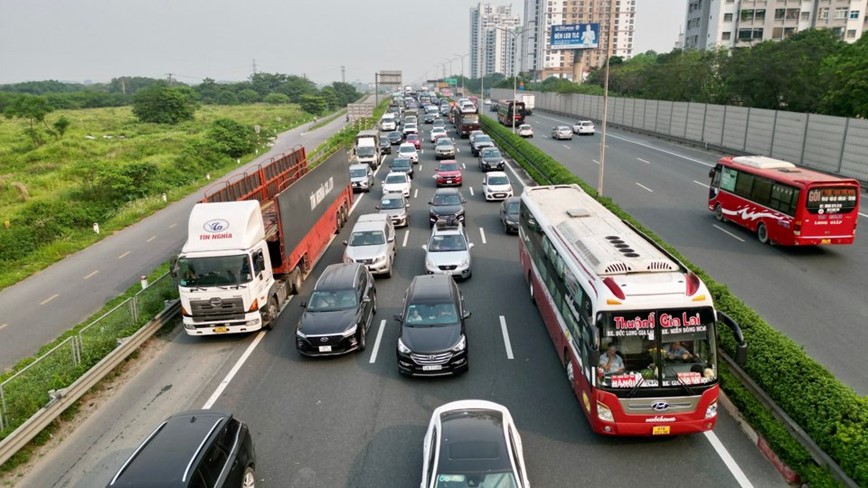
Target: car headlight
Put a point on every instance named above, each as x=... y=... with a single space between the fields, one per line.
x=429 y=264
x=299 y=333
x=604 y=413
x=460 y=212
x=402 y=348
x=464 y=262
x=351 y=331
x=348 y=260
x=381 y=259
x=462 y=344
x=711 y=411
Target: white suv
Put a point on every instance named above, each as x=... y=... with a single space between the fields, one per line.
x=448 y=250
x=372 y=243
x=584 y=127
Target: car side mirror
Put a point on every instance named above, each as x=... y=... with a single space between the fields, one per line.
x=303 y=304
x=431 y=202
x=425 y=246
x=391 y=239
x=407 y=205
x=377 y=207
x=470 y=246
x=463 y=201
x=366 y=300
x=345 y=243
x=466 y=314
x=398 y=317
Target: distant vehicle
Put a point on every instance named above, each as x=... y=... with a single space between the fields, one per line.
x=448 y=173
x=397 y=183
x=410 y=128
x=529 y=103
x=385 y=146
x=475 y=133
x=509 y=210
x=408 y=150
x=473 y=443
x=496 y=186
x=448 y=250
x=438 y=133
x=509 y=110
x=466 y=122
x=584 y=127
x=388 y=123
x=361 y=177
x=784 y=204
x=339 y=313
x=396 y=137
x=525 y=130
x=372 y=243
x=439 y=124
x=479 y=143
x=401 y=165
x=192 y=449
x=432 y=340
x=447 y=202
x=561 y=132
x=444 y=148
x=395 y=206
x=415 y=140
x=490 y=158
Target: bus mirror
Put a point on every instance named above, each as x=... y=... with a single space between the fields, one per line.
x=741 y=344
x=741 y=354
x=174 y=269
x=711 y=173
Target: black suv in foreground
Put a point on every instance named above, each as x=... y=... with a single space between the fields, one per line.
x=446 y=203
x=339 y=313
x=196 y=448
x=432 y=341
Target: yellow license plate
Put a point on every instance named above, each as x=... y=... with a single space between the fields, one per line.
x=826 y=241
x=660 y=430
x=223 y=330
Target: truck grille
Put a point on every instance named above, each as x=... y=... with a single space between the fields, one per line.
x=217 y=309
x=439 y=358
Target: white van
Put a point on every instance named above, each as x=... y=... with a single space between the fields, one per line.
x=372 y=243
x=388 y=123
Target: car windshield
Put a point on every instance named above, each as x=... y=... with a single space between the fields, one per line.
x=444 y=143
x=327 y=301
x=358 y=173
x=491 y=154
x=392 y=203
x=393 y=179
x=448 y=167
x=367 y=238
x=524 y=127
x=395 y=135
x=453 y=480
x=448 y=199
x=512 y=208
x=401 y=163
x=498 y=180
x=447 y=243
x=482 y=139
x=426 y=314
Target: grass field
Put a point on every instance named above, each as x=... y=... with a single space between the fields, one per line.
x=60 y=173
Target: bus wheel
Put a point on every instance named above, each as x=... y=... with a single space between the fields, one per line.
x=762 y=233
x=718 y=213
x=296 y=279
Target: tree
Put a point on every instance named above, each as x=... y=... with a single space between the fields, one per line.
x=226 y=97
x=33 y=109
x=345 y=93
x=846 y=77
x=248 y=95
x=295 y=87
x=276 y=99
x=162 y=104
x=231 y=138
x=60 y=126
x=313 y=104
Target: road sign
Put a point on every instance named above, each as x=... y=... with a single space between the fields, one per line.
x=451 y=81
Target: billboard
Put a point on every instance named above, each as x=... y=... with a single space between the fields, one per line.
x=575 y=36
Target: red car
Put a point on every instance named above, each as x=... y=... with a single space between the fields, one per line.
x=414 y=139
x=448 y=173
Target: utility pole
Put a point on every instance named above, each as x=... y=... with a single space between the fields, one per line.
x=123 y=85
x=254 y=66
x=169 y=78
x=343 y=74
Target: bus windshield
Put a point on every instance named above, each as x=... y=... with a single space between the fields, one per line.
x=653 y=348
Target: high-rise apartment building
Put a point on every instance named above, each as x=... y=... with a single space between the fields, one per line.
x=616 y=17
x=741 y=23
x=492 y=44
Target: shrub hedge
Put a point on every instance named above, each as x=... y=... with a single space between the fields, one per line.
x=831 y=413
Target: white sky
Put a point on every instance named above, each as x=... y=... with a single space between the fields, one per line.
x=97 y=40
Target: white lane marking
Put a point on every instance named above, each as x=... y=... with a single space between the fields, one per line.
x=420 y=167
x=458 y=149
x=700 y=183
x=415 y=193
x=566 y=146
x=595 y=161
x=506 y=342
x=52 y=297
x=124 y=255
x=356 y=203
x=232 y=372
x=864 y=215
x=517 y=177
x=91 y=275
x=730 y=234
x=3 y=326
x=173 y=225
x=471 y=191
x=151 y=238
x=406 y=235
x=377 y=342
x=640 y=159
x=645 y=187
x=482 y=233
x=728 y=460
x=463 y=165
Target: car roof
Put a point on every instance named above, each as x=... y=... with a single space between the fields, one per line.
x=447 y=191
x=165 y=456
x=496 y=173
x=392 y=195
x=398 y=173
x=407 y=144
x=472 y=440
x=360 y=166
x=339 y=276
x=433 y=287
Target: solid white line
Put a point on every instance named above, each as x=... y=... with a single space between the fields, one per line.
x=471 y=190
x=701 y=184
x=90 y=275
x=223 y=384
x=645 y=187
x=730 y=234
x=52 y=297
x=406 y=235
x=482 y=233
x=594 y=160
x=566 y=146
x=377 y=342
x=506 y=342
x=517 y=177
x=646 y=162
x=124 y=255
x=415 y=193
x=356 y=203
x=151 y=238
x=728 y=460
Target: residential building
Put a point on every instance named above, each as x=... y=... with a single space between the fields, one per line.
x=492 y=50
x=742 y=23
x=616 y=18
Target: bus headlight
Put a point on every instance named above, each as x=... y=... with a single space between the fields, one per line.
x=711 y=411
x=604 y=413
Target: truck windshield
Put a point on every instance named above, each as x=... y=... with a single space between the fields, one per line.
x=365 y=151
x=214 y=271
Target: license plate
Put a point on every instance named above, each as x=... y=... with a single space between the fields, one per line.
x=329 y=349
x=432 y=367
x=826 y=241
x=660 y=430
x=221 y=330
x=448 y=181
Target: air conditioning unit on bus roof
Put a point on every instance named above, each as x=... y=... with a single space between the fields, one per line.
x=763 y=162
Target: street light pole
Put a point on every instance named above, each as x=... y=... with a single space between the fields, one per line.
x=462 y=56
x=515 y=34
x=612 y=7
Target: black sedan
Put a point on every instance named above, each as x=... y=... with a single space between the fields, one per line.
x=490 y=158
x=385 y=146
x=396 y=137
x=479 y=143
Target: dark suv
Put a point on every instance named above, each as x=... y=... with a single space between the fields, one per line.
x=340 y=311
x=432 y=341
x=196 y=448
x=447 y=202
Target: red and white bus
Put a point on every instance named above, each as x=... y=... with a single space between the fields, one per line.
x=599 y=283
x=782 y=203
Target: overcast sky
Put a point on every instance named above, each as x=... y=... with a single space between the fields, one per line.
x=97 y=40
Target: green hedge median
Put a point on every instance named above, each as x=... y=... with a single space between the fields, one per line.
x=830 y=412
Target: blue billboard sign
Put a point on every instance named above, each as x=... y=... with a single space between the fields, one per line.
x=575 y=36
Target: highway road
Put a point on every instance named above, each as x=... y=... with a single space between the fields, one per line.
x=43 y=306
x=353 y=421
x=815 y=296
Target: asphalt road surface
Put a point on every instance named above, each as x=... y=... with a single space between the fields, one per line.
x=353 y=421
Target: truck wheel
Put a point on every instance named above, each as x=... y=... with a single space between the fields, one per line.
x=271 y=310
x=295 y=278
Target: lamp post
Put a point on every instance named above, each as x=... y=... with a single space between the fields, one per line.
x=514 y=34
x=462 y=56
x=612 y=7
